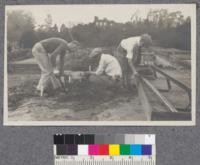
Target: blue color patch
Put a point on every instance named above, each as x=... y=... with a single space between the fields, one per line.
x=146 y=150
x=136 y=149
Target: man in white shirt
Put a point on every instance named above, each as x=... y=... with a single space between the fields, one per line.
x=129 y=55
x=108 y=67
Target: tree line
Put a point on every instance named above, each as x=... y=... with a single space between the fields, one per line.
x=168 y=29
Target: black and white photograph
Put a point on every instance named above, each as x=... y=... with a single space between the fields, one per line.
x=108 y=64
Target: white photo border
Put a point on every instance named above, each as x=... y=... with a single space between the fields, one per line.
x=192 y=122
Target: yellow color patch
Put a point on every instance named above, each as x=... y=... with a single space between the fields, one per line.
x=114 y=149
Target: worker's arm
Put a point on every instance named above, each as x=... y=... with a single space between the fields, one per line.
x=57 y=51
x=62 y=62
x=134 y=71
x=134 y=77
x=130 y=56
x=99 y=70
x=101 y=67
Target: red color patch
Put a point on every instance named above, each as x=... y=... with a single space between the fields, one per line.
x=103 y=149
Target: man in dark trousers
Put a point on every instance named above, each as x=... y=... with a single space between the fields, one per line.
x=129 y=56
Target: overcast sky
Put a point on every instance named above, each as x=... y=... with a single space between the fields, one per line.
x=73 y=14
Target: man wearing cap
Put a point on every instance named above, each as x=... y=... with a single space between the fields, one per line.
x=108 y=66
x=46 y=53
x=129 y=55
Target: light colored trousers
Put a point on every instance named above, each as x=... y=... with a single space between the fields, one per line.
x=47 y=78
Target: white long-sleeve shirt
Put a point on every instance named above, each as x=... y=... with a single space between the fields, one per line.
x=109 y=65
x=128 y=44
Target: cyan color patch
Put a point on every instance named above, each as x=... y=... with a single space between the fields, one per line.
x=136 y=149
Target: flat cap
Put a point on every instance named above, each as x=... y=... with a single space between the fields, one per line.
x=74 y=44
x=95 y=52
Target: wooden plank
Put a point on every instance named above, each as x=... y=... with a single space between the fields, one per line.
x=144 y=101
x=170 y=116
x=24 y=69
x=170 y=107
x=178 y=83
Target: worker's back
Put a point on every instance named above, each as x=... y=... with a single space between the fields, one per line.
x=51 y=44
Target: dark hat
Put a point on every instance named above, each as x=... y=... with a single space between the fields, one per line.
x=146 y=40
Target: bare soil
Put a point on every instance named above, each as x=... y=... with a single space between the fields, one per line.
x=87 y=101
x=83 y=102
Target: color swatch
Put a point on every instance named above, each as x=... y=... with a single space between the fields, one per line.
x=114 y=149
x=99 y=145
x=103 y=149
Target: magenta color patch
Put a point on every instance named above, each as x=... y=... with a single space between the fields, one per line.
x=93 y=149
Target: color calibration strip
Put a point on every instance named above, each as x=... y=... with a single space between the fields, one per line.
x=104 y=149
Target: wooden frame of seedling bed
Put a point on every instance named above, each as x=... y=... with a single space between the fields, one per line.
x=172 y=113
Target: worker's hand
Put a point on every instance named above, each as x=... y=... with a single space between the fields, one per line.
x=62 y=78
x=134 y=75
x=52 y=58
x=134 y=78
x=87 y=74
x=61 y=73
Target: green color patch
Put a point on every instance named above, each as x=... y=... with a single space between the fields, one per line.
x=124 y=149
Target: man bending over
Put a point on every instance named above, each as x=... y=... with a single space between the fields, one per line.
x=45 y=53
